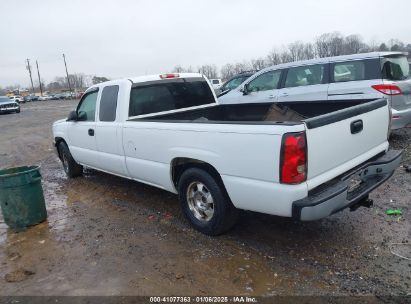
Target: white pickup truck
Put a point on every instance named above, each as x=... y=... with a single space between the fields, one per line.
x=169 y=131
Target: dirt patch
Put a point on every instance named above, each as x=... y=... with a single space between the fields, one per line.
x=18 y=275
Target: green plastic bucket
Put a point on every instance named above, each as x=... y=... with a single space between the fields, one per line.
x=21 y=197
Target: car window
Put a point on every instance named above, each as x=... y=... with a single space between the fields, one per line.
x=86 y=111
x=395 y=68
x=305 y=75
x=349 y=71
x=234 y=83
x=169 y=95
x=264 y=82
x=108 y=103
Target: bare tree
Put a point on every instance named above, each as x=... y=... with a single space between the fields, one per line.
x=258 y=64
x=353 y=44
x=209 y=70
x=273 y=58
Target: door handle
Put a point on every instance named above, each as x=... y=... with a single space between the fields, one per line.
x=356 y=126
x=284 y=94
x=91 y=132
x=271 y=96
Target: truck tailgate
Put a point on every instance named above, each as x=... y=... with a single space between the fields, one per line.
x=341 y=140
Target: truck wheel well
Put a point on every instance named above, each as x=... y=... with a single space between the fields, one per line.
x=179 y=165
x=57 y=141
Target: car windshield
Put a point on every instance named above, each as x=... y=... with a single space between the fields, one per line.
x=395 y=68
x=4 y=99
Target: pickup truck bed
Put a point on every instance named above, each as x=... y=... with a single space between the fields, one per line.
x=263 y=113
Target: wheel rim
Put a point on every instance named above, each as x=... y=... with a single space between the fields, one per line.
x=64 y=160
x=200 y=201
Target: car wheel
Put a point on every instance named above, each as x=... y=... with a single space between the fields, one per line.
x=18 y=111
x=205 y=202
x=70 y=166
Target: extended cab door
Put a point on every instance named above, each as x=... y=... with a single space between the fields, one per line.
x=108 y=132
x=82 y=142
x=305 y=83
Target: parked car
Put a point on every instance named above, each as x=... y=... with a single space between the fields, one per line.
x=173 y=134
x=45 y=97
x=235 y=81
x=351 y=78
x=17 y=98
x=216 y=83
x=58 y=96
x=7 y=105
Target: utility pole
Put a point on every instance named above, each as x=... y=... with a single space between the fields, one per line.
x=28 y=67
x=38 y=73
x=68 y=79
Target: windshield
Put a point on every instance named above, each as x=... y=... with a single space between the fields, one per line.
x=4 y=99
x=395 y=68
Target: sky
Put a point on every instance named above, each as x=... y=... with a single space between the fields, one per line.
x=125 y=38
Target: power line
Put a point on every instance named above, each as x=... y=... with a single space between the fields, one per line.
x=31 y=78
x=38 y=73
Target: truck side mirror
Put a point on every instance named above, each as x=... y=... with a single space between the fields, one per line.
x=72 y=116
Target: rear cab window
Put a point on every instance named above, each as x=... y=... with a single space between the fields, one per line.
x=170 y=94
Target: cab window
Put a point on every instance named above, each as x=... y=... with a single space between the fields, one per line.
x=264 y=82
x=304 y=76
x=86 y=110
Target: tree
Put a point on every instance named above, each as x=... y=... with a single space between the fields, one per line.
x=99 y=79
x=209 y=70
x=274 y=58
x=258 y=64
x=383 y=47
x=352 y=44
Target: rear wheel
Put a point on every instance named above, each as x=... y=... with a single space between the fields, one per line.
x=205 y=202
x=70 y=166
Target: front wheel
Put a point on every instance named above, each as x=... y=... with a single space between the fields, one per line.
x=205 y=202
x=70 y=166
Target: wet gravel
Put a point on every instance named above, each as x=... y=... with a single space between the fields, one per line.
x=110 y=236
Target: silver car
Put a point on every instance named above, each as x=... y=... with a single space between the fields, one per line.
x=350 y=78
x=8 y=106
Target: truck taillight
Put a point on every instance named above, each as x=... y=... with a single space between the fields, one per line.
x=293 y=161
x=168 y=76
x=387 y=89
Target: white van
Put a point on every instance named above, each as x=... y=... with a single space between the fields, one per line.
x=216 y=83
x=348 y=78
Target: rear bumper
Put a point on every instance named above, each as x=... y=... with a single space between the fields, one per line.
x=400 y=118
x=336 y=195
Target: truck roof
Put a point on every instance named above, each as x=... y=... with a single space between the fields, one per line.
x=145 y=78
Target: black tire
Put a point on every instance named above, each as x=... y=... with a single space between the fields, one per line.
x=224 y=213
x=70 y=166
x=18 y=111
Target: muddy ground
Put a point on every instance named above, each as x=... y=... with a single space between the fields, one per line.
x=110 y=236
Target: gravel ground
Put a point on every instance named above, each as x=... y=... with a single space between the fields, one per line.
x=110 y=236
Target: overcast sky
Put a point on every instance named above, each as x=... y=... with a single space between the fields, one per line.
x=125 y=38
